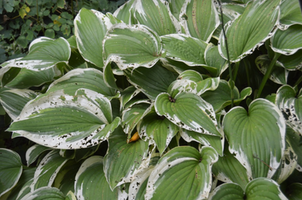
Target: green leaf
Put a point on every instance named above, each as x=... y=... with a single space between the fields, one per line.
x=256 y=137
x=131 y=156
x=90 y=29
x=188 y=111
x=44 y=53
x=124 y=11
x=132 y=46
x=250 y=29
x=66 y=121
x=34 y=152
x=47 y=170
x=294 y=139
x=14 y=100
x=215 y=64
x=291 y=62
x=151 y=81
x=158 y=130
x=290 y=105
x=184 y=48
x=156 y=15
x=50 y=33
x=294 y=191
x=90 y=181
x=10 y=170
x=45 y=193
x=91 y=79
x=221 y=97
x=227 y=191
x=199 y=18
x=287 y=42
x=290 y=14
x=182 y=173
x=175 y=7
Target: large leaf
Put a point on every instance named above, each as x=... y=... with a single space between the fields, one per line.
x=290 y=105
x=14 y=100
x=250 y=29
x=188 y=111
x=289 y=41
x=182 y=173
x=90 y=181
x=151 y=81
x=123 y=159
x=256 y=137
x=157 y=129
x=10 y=170
x=184 y=48
x=66 y=121
x=290 y=14
x=260 y=188
x=156 y=15
x=199 y=18
x=44 y=53
x=90 y=29
x=132 y=46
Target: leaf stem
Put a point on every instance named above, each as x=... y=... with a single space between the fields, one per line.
x=268 y=73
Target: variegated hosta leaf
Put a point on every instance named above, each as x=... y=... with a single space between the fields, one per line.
x=290 y=13
x=175 y=7
x=256 y=137
x=289 y=41
x=182 y=173
x=260 y=188
x=133 y=115
x=45 y=193
x=44 y=53
x=90 y=29
x=24 y=78
x=64 y=121
x=221 y=97
x=90 y=78
x=250 y=29
x=90 y=181
x=207 y=140
x=188 y=111
x=156 y=15
x=215 y=64
x=132 y=46
x=192 y=82
x=34 y=152
x=14 y=100
x=291 y=62
x=294 y=139
x=290 y=105
x=124 y=12
x=151 y=81
x=47 y=170
x=199 y=18
x=229 y=169
x=184 y=48
x=278 y=75
x=157 y=129
x=127 y=94
x=124 y=160
x=10 y=169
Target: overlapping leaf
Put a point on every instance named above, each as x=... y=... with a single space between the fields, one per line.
x=290 y=13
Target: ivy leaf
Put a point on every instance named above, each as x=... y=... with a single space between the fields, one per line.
x=188 y=172
x=256 y=137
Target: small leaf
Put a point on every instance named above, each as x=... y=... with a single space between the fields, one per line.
x=34 y=152
x=10 y=169
x=188 y=111
x=140 y=46
x=182 y=173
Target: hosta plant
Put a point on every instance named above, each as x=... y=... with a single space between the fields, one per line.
x=178 y=99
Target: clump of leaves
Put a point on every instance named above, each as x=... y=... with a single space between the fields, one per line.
x=159 y=100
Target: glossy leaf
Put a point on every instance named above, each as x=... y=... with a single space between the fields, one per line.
x=156 y=15
x=189 y=173
x=90 y=29
x=141 y=46
x=10 y=169
x=87 y=118
x=256 y=137
x=199 y=18
x=290 y=105
x=188 y=111
x=132 y=156
x=90 y=181
x=44 y=53
x=250 y=29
